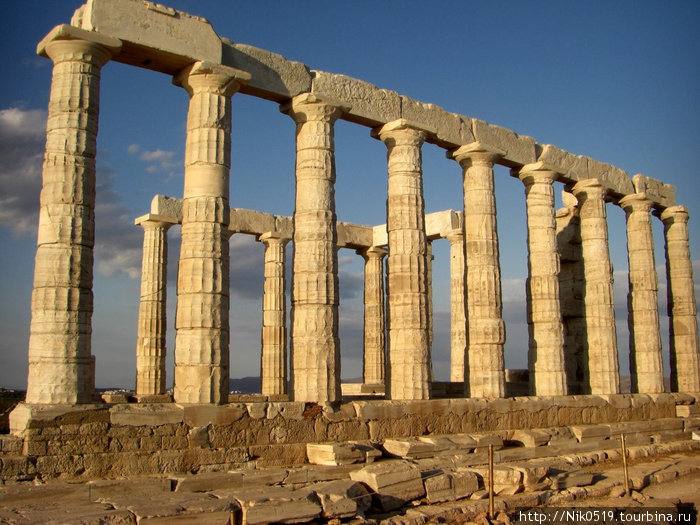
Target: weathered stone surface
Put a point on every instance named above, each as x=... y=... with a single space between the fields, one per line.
x=342 y=498
x=615 y=180
x=517 y=150
x=447 y=130
x=368 y=105
x=577 y=478
x=688 y=410
x=394 y=482
x=342 y=453
x=274 y=504
x=272 y=76
x=662 y=195
x=530 y=438
x=374 y=348
x=451 y=486
x=590 y=431
x=409 y=448
x=146 y=415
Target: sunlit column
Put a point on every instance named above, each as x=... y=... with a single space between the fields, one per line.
x=273 y=366
x=546 y=348
x=407 y=276
x=458 y=318
x=150 y=341
x=603 y=368
x=202 y=321
x=374 y=345
x=682 y=310
x=646 y=366
x=315 y=347
x=486 y=329
x=61 y=365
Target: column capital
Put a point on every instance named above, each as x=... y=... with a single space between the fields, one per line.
x=272 y=237
x=372 y=252
x=310 y=107
x=65 y=42
x=635 y=202
x=208 y=77
x=455 y=236
x=537 y=172
x=401 y=131
x=475 y=153
x=588 y=187
x=674 y=214
x=154 y=221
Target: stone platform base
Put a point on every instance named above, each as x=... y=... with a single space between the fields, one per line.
x=119 y=440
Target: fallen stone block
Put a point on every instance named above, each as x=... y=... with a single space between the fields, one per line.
x=667 y=437
x=590 y=431
x=343 y=453
x=274 y=504
x=409 y=448
x=394 y=482
x=451 y=486
x=688 y=410
x=343 y=498
x=532 y=474
x=574 y=478
x=530 y=438
x=484 y=440
x=207 y=482
x=463 y=442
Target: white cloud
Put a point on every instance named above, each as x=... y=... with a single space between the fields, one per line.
x=133 y=149
x=157 y=155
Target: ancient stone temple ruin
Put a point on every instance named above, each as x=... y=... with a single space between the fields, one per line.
x=573 y=377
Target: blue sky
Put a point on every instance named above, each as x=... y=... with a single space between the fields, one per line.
x=616 y=81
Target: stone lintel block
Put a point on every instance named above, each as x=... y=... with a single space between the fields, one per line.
x=438 y=224
x=173 y=40
x=662 y=195
x=167 y=207
x=251 y=222
x=147 y=415
x=27 y=416
x=369 y=105
x=69 y=32
x=273 y=77
x=518 y=149
x=447 y=130
x=394 y=482
x=354 y=236
x=571 y=167
x=201 y=415
x=615 y=180
x=380 y=237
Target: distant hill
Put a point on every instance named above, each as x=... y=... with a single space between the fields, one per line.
x=245 y=385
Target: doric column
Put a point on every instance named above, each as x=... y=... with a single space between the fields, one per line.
x=544 y=320
x=374 y=346
x=61 y=365
x=458 y=318
x=202 y=340
x=407 y=279
x=486 y=329
x=273 y=367
x=646 y=366
x=601 y=338
x=429 y=258
x=150 y=340
x=315 y=347
x=682 y=310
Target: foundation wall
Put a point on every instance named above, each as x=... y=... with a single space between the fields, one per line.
x=132 y=439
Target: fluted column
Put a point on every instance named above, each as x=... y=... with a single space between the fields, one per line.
x=646 y=366
x=544 y=319
x=485 y=327
x=150 y=341
x=601 y=338
x=273 y=367
x=315 y=347
x=458 y=318
x=202 y=321
x=61 y=365
x=374 y=346
x=682 y=310
x=407 y=279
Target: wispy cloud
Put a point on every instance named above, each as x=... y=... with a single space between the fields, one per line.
x=157 y=160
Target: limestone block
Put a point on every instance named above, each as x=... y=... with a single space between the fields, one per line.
x=463 y=442
x=354 y=236
x=612 y=178
x=484 y=440
x=409 y=448
x=341 y=453
x=204 y=414
x=272 y=76
x=519 y=150
x=662 y=195
x=532 y=474
x=343 y=498
x=447 y=130
x=148 y=415
x=275 y=504
x=167 y=207
x=688 y=410
x=531 y=438
x=576 y=478
x=369 y=105
x=173 y=40
x=451 y=486
x=441 y=444
x=394 y=483
x=256 y=410
x=293 y=410
x=590 y=431
x=252 y=222
x=572 y=167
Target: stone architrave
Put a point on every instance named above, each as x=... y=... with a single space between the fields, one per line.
x=546 y=330
x=150 y=340
x=682 y=310
x=315 y=347
x=374 y=343
x=646 y=366
x=601 y=346
x=407 y=280
x=458 y=318
x=486 y=332
x=61 y=365
x=273 y=363
x=202 y=321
